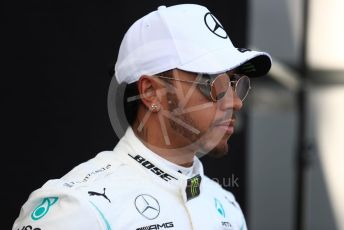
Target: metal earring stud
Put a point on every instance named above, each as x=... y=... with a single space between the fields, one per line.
x=154 y=107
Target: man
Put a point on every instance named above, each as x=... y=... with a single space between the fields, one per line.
x=185 y=83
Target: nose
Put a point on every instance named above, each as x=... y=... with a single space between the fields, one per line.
x=231 y=101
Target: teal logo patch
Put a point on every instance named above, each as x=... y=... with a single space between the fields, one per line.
x=219 y=208
x=42 y=209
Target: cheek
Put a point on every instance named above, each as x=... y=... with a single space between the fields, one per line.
x=204 y=113
x=200 y=109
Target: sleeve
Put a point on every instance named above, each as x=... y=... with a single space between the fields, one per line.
x=243 y=225
x=56 y=210
x=240 y=218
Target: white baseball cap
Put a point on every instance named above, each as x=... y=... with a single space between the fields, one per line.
x=186 y=37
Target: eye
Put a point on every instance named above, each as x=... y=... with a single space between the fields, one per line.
x=235 y=77
x=208 y=82
x=206 y=79
x=220 y=95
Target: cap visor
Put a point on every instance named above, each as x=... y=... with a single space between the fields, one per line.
x=250 y=63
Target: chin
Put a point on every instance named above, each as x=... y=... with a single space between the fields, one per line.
x=218 y=150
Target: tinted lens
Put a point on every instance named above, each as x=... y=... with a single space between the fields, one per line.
x=219 y=87
x=242 y=87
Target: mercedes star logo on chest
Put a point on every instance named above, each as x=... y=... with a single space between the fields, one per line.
x=147 y=206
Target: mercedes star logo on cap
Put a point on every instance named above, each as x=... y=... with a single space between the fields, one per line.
x=147 y=206
x=214 y=25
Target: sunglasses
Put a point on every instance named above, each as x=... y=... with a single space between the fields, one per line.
x=214 y=87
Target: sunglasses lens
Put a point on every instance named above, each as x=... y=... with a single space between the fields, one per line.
x=242 y=87
x=219 y=87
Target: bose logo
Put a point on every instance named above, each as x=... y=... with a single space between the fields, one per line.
x=152 y=168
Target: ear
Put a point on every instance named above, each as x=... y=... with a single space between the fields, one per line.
x=148 y=88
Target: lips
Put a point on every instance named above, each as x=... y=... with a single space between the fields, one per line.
x=228 y=126
x=227 y=123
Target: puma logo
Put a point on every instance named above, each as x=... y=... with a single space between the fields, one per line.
x=91 y=193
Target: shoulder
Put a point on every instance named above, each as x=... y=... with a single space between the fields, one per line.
x=81 y=198
x=108 y=169
x=106 y=173
x=104 y=164
x=57 y=208
x=214 y=186
x=225 y=200
x=216 y=189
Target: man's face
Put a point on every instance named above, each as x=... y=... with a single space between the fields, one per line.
x=192 y=119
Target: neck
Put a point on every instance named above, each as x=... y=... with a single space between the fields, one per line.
x=163 y=145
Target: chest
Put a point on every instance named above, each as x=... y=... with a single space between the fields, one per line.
x=154 y=208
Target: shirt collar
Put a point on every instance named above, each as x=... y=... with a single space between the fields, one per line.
x=163 y=171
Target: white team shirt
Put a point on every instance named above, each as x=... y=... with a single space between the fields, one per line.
x=131 y=188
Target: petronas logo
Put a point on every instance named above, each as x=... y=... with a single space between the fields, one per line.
x=193 y=187
x=219 y=208
x=42 y=209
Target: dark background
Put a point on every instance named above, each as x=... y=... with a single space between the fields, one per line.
x=54 y=84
